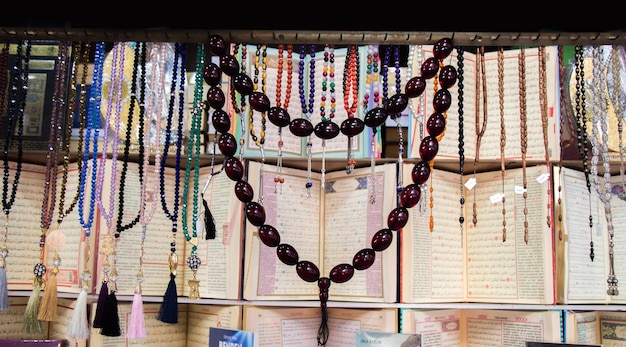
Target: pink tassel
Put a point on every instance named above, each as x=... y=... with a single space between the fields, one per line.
x=136 y=327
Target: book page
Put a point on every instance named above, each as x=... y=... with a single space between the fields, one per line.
x=510 y=271
x=438 y=328
x=433 y=262
x=220 y=269
x=298 y=326
x=200 y=318
x=12 y=321
x=581 y=327
x=618 y=218
x=612 y=327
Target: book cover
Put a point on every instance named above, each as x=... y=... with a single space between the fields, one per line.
x=221 y=337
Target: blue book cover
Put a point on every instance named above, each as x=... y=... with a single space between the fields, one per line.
x=219 y=337
x=378 y=339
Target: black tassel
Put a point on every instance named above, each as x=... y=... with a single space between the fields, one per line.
x=209 y=221
x=111 y=323
x=98 y=320
x=322 y=332
x=168 y=313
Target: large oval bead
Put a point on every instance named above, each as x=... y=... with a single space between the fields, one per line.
x=307 y=271
x=326 y=130
x=215 y=97
x=352 y=126
x=243 y=84
x=375 y=117
x=255 y=213
x=442 y=100
x=420 y=172
x=221 y=121
x=227 y=144
x=217 y=45
x=436 y=124
x=415 y=86
x=428 y=148
x=410 y=195
x=287 y=254
x=269 y=235
x=233 y=168
x=443 y=48
x=259 y=102
x=244 y=191
x=212 y=74
x=341 y=273
x=398 y=218
x=363 y=259
x=382 y=240
x=278 y=116
x=229 y=65
x=396 y=104
x=448 y=76
x=301 y=127
x=429 y=68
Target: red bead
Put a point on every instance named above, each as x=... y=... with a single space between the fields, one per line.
x=436 y=124
x=259 y=102
x=217 y=45
x=363 y=259
x=243 y=84
x=420 y=172
x=233 y=168
x=221 y=121
x=375 y=117
x=415 y=86
x=301 y=127
x=352 y=126
x=396 y=104
x=269 y=235
x=229 y=65
x=244 y=191
x=382 y=240
x=215 y=97
x=448 y=76
x=323 y=283
x=326 y=130
x=428 y=148
x=307 y=271
x=443 y=48
x=287 y=254
x=227 y=144
x=278 y=116
x=398 y=218
x=410 y=195
x=442 y=100
x=255 y=213
x=429 y=68
x=212 y=74
x=341 y=273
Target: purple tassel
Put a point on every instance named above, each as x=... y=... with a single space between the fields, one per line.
x=98 y=320
x=168 y=313
x=111 y=324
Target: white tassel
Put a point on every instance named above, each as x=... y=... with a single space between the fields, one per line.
x=79 y=325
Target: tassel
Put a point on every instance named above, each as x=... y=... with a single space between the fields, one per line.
x=4 y=292
x=209 y=222
x=31 y=324
x=111 y=323
x=79 y=325
x=322 y=332
x=98 y=320
x=48 y=307
x=136 y=326
x=168 y=313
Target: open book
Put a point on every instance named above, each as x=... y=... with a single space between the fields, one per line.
x=479 y=328
x=327 y=228
x=595 y=328
x=192 y=330
x=298 y=326
x=470 y=262
x=474 y=115
x=580 y=280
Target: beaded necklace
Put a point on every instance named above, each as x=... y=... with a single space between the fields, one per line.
x=193 y=159
x=352 y=125
x=523 y=134
x=169 y=309
x=396 y=220
x=238 y=109
x=4 y=59
x=619 y=107
x=279 y=179
x=479 y=130
x=15 y=119
x=304 y=126
x=460 y=91
x=502 y=135
x=372 y=86
x=543 y=100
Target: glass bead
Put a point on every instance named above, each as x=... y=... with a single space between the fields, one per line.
x=436 y=124
x=269 y=235
x=278 y=116
x=287 y=254
x=229 y=64
x=233 y=168
x=428 y=148
x=307 y=271
x=398 y=218
x=352 y=126
x=363 y=259
x=341 y=273
x=255 y=213
x=86 y=276
x=221 y=121
x=227 y=144
x=113 y=275
x=448 y=76
x=4 y=252
x=442 y=100
x=140 y=278
x=410 y=195
x=301 y=127
x=243 y=84
x=326 y=130
x=244 y=191
x=323 y=283
x=415 y=86
x=39 y=270
x=443 y=48
x=193 y=261
x=420 y=172
x=259 y=102
x=375 y=117
x=430 y=68
x=56 y=261
x=396 y=104
x=217 y=45
x=382 y=240
x=215 y=97
x=212 y=74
